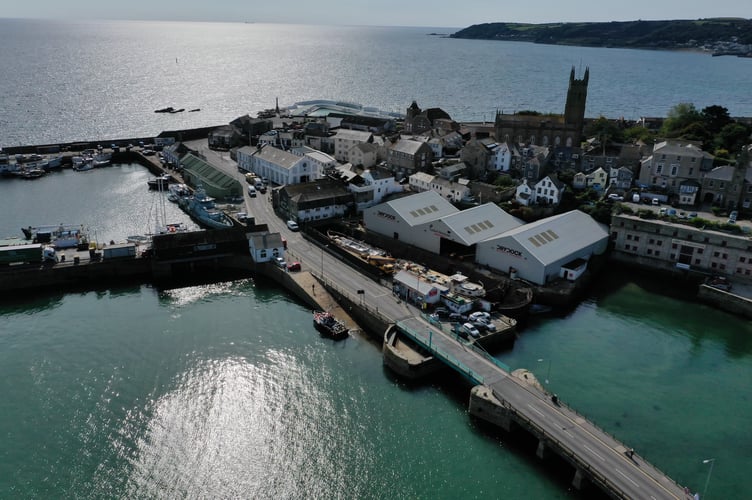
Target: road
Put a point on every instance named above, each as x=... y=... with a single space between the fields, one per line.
x=593 y=449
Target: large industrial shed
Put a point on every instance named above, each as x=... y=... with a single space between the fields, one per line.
x=215 y=182
x=407 y=219
x=539 y=252
x=460 y=232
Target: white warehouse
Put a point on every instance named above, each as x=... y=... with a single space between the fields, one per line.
x=555 y=247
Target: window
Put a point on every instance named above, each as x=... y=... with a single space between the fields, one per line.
x=650 y=252
x=674 y=169
x=716 y=254
x=659 y=243
x=697 y=262
x=742 y=260
x=699 y=251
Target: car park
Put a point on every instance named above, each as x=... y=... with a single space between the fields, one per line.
x=292 y=225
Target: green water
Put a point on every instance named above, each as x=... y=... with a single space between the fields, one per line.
x=227 y=391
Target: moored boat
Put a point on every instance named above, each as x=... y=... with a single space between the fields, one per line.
x=59 y=236
x=201 y=207
x=160 y=183
x=177 y=191
x=328 y=325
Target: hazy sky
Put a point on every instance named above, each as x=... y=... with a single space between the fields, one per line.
x=437 y=13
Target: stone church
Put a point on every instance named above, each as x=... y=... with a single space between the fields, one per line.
x=556 y=131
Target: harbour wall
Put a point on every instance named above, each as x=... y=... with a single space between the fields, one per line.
x=177 y=135
x=725 y=301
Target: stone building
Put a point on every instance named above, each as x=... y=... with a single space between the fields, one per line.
x=558 y=131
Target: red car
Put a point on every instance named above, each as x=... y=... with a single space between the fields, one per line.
x=293 y=266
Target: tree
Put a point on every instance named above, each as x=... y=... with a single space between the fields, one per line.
x=715 y=118
x=679 y=118
x=733 y=137
x=639 y=133
x=605 y=130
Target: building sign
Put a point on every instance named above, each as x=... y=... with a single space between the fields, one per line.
x=386 y=215
x=510 y=251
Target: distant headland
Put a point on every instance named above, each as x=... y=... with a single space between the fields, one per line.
x=720 y=36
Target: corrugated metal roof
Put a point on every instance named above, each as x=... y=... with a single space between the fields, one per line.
x=422 y=207
x=551 y=238
x=479 y=223
x=216 y=182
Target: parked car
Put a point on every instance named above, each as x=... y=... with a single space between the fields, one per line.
x=441 y=312
x=636 y=198
x=252 y=191
x=732 y=217
x=280 y=262
x=656 y=201
x=615 y=197
x=292 y=225
x=457 y=318
x=479 y=314
x=293 y=266
x=470 y=329
x=692 y=215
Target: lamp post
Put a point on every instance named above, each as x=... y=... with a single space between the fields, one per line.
x=710 y=461
x=548 y=370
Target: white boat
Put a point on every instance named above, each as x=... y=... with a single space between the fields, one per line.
x=83 y=163
x=102 y=159
x=177 y=191
x=59 y=236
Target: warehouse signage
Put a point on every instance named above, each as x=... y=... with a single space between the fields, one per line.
x=510 y=251
x=386 y=215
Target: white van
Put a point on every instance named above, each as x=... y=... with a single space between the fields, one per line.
x=252 y=191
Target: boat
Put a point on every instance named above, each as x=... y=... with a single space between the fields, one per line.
x=160 y=183
x=102 y=159
x=460 y=284
x=177 y=191
x=55 y=162
x=329 y=326
x=31 y=173
x=201 y=207
x=83 y=163
x=168 y=109
x=59 y=236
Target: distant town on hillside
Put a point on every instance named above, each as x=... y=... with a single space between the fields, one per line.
x=719 y=36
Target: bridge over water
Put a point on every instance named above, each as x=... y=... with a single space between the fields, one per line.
x=502 y=398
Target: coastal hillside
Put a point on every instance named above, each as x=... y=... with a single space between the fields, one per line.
x=717 y=34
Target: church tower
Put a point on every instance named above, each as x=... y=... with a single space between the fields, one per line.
x=574 y=110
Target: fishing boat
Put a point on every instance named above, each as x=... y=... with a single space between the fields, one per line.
x=177 y=191
x=102 y=159
x=59 y=236
x=329 y=326
x=83 y=163
x=201 y=207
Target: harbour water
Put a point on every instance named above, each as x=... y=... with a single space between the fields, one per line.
x=226 y=390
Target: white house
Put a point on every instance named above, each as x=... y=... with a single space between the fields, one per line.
x=371 y=186
x=265 y=246
x=525 y=193
x=453 y=191
x=549 y=190
x=282 y=167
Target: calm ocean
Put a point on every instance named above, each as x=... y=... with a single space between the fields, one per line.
x=226 y=390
